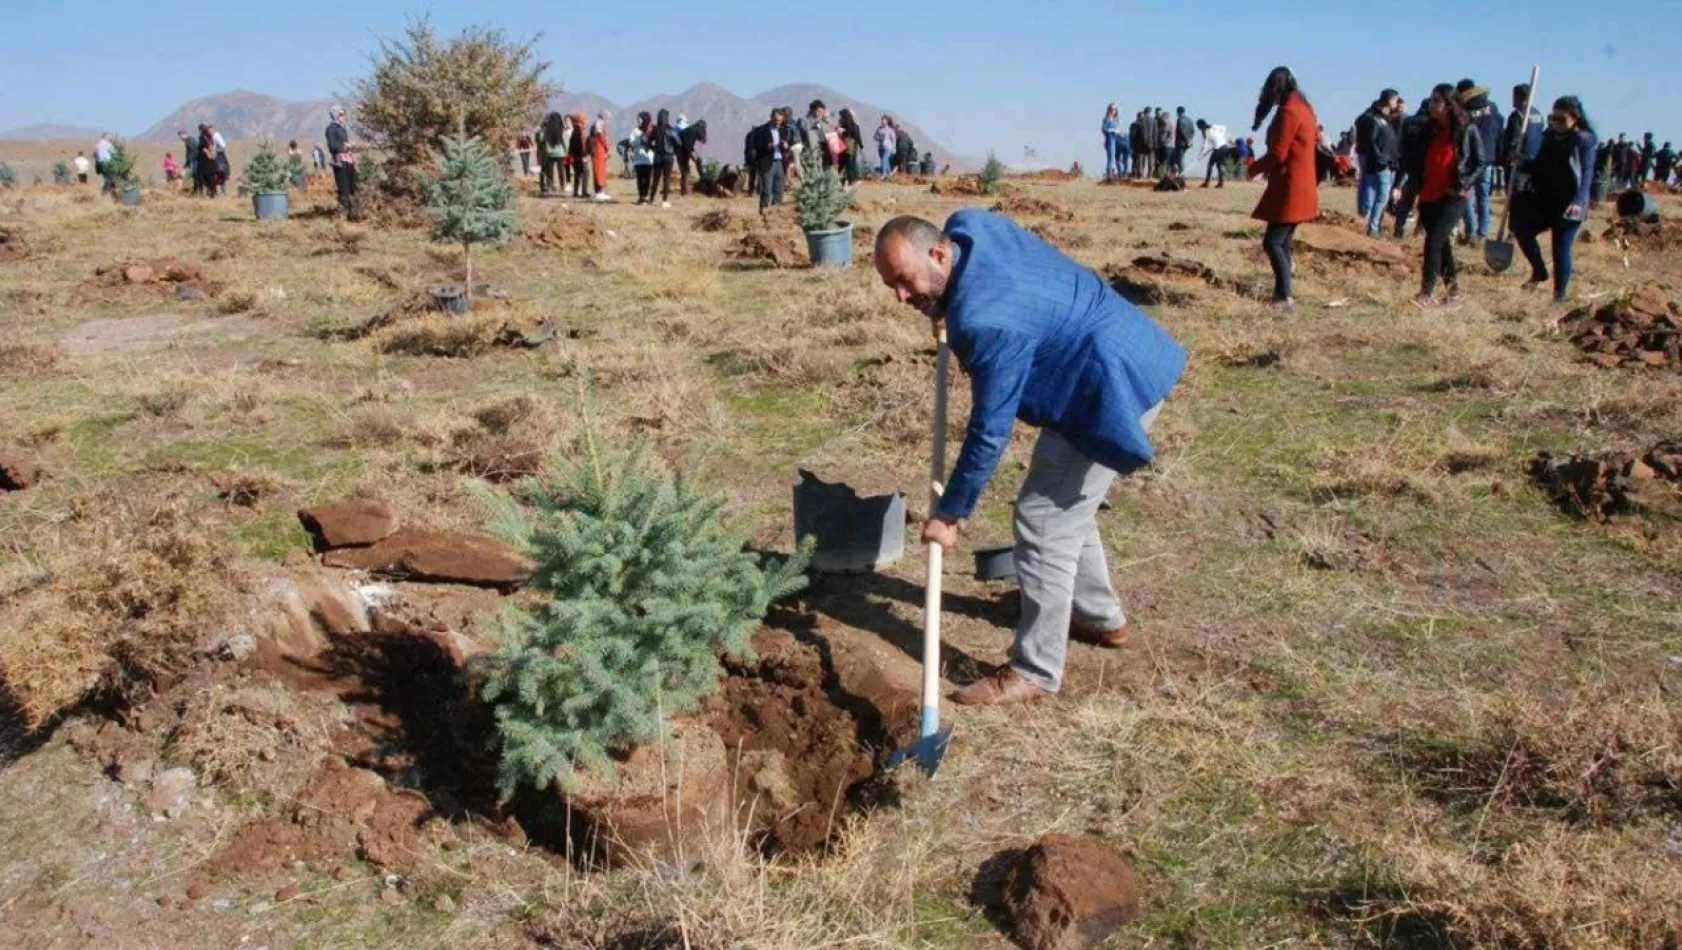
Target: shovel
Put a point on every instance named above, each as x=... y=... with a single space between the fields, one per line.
x=930 y=748
x=1498 y=254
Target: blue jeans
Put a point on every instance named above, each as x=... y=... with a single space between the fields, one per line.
x=1372 y=197
x=1112 y=155
x=1477 y=207
x=1564 y=239
x=882 y=155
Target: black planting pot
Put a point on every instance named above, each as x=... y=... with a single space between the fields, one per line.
x=997 y=563
x=852 y=534
x=449 y=299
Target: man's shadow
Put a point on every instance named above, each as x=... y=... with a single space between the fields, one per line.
x=861 y=601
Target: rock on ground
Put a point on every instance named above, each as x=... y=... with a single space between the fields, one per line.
x=1066 y=893
x=438 y=556
x=355 y=522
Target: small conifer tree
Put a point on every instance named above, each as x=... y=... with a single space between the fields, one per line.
x=119 y=168
x=265 y=172
x=8 y=178
x=643 y=584
x=991 y=174
x=295 y=170
x=470 y=198
x=61 y=172
x=821 y=198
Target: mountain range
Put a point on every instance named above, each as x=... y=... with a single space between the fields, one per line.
x=242 y=114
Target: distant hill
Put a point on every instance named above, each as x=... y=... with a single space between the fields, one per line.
x=246 y=115
x=729 y=116
x=49 y=131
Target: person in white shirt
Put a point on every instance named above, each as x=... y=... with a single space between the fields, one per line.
x=82 y=167
x=1215 y=151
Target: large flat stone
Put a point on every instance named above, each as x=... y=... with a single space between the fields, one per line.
x=443 y=556
x=354 y=522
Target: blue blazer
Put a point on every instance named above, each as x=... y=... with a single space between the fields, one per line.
x=1046 y=340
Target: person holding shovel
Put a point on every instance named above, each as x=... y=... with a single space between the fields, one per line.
x=1553 y=193
x=1044 y=340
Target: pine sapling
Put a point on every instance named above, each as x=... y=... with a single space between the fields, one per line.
x=61 y=172
x=265 y=172
x=470 y=198
x=641 y=585
x=821 y=199
x=991 y=174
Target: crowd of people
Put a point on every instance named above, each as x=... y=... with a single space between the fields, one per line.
x=1155 y=145
x=1437 y=167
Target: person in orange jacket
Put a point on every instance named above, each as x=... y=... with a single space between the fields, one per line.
x=601 y=146
x=1292 y=194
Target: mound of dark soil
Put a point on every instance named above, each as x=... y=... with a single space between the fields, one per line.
x=1635 y=234
x=1637 y=329
x=12 y=245
x=1025 y=206
x=159 y=277
x=776 y=248
x=1334 y=245
x=565 y=232
x=1062 y=236
x=1602 y=488
x=722 y=220
x=1171 y=268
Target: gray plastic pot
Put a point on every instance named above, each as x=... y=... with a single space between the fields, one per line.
x=852 y=535
x=129 y=195
x=831 y=248
x=270 y=205
x=996 y=563
x=449 y=299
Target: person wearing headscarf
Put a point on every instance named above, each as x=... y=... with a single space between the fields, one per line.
x=205 y=182
x=1551 y=193
x=578 y=152
x=1292 y=195
x=601 y=146
x=342 y=152
x=852 y=141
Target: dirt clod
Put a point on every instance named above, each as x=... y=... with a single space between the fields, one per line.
x=1640 y=328
x=1066 y=893
x=1602 y=488
x=18 y=470
x=773 y=247
x=1025 y=206
x=570 y=231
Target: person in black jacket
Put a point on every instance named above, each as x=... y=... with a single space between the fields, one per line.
x=1450 y=167
x=1139 y=143
x=1519 y=147
x=1648 y=151
x=1415 y=131
x=750 y=163
x=666 y=144
x=1379 y=151
x=1553 y=194
x=768 y=145
x=1664 y=161
x=343 y=157
x=1486 y=119
x=1184 y=131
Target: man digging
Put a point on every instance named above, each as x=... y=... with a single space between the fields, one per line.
x=1044 y=340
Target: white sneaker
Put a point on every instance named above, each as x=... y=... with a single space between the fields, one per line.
x=603 y=196
x=665 y=204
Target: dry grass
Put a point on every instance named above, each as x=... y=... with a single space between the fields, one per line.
x=251 y=737
x=1376 y=696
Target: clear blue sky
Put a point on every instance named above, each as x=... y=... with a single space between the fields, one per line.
x=980 y=75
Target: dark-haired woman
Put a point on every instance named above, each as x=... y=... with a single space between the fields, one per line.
x=205 y=183
x=1552 y=193
x=642 y=156
x=1451 y=163
x=852 y=141
x=552 y=149
x=1291 y=196
x=665 y=142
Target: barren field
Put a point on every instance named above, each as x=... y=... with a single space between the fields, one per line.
x=1405 y=585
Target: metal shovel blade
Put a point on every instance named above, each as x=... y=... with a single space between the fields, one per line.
x=1498 y=255
x=929 y=751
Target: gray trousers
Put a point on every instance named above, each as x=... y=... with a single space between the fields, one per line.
x=1060 y=565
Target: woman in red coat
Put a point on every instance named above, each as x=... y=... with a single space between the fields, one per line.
x=1291 y=196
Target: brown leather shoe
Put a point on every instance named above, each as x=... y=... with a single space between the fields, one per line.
x=1108 y=639
x=1004 y=688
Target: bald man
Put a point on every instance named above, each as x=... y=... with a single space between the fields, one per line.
x=1044 y=340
